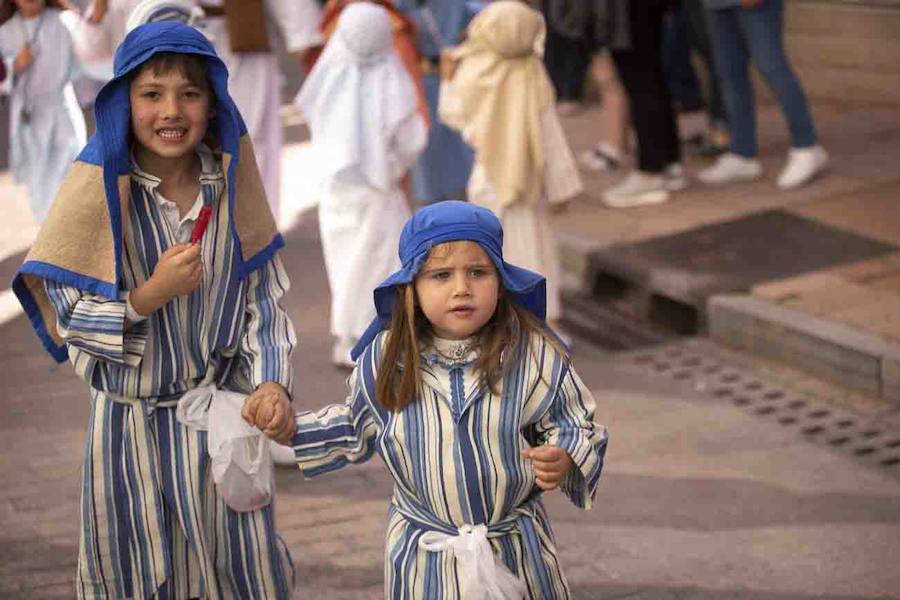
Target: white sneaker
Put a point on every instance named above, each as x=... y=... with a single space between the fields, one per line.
x=803 y=164
x=638 y=189
x=601 y=157
x=674 y=177
x=731 y=167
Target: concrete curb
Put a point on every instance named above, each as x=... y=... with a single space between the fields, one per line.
x=828 y=349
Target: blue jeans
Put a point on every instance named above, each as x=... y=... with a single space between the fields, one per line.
x=738 y=35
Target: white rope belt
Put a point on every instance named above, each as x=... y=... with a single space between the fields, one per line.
x=482 y=575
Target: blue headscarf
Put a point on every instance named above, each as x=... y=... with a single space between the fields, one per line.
x=445 y=222
x=74 y=221
x=109 y=146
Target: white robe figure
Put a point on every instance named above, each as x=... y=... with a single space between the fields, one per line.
x=360 y=103
x=254 y=78
x=46 y=125
x=528 y=238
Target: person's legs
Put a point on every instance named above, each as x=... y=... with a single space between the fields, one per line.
x=762 y=30
x=681 y=79
x=567 y=61
x=731 y=57
x=609 y=152
x=640 y=69
x=698 y=20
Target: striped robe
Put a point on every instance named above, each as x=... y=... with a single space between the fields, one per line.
x=152 y=522
x=454 y=457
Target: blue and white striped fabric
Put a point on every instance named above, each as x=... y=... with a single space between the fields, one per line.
x=454 y=457
x=152 y=522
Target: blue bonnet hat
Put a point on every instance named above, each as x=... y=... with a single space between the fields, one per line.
x=448 y=221
x=87 y=212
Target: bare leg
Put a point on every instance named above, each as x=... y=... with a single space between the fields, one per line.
x=614 y=112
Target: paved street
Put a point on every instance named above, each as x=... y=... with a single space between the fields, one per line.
x=700 y=499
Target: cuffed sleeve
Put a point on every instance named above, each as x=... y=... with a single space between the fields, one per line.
x=96 y=325
x=269 y=336
x=336 y=435
x=569 y=425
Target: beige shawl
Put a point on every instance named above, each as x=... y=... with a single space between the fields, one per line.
x=503 y=89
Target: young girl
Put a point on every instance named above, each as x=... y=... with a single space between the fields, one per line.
x=360 y=103
x=475 y=410
x=45 y=123
x=156 y=275
x=498 y=94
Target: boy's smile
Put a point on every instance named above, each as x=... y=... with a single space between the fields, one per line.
x=169 y=113
x=457 y=289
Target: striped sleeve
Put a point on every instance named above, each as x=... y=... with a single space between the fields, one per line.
x=570 y=425
x=96 y=325
x=336 y=435
x=269 y=336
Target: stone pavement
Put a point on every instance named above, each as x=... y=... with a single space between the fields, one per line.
x=700 y=499
x=842 y=319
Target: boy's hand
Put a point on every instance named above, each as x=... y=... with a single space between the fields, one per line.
x=550 y=464
x=23 y=59
x=269 y=410
x=178 y=271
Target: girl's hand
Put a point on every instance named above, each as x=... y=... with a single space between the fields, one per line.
x=178 y=271
x=269 y=410
x=550 y=464
x=23 y=59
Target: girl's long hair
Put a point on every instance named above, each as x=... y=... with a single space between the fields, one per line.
x=503 y=341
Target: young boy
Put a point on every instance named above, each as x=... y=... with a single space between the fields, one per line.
x=119 y=283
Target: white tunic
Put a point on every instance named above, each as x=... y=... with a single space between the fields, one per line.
x=255 y=81
x=360 y=229
x=46 y=125
x=360 y=103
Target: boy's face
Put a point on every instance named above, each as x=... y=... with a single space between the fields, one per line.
x=458 y=288
x=169 y=113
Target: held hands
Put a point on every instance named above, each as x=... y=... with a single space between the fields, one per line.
x=551 y=464
x=269 y=410
x=178 y=272
x=23 y=59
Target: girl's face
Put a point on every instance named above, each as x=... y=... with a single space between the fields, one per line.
x=29 y=8
x=457 y=289
x=169 y=113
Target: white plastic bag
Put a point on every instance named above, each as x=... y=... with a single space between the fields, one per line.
x=240 y=455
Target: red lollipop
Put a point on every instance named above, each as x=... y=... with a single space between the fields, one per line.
x=201 y=224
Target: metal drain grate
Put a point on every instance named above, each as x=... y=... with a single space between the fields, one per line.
x=870 y=440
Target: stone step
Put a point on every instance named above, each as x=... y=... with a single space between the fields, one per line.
x=834 y=351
